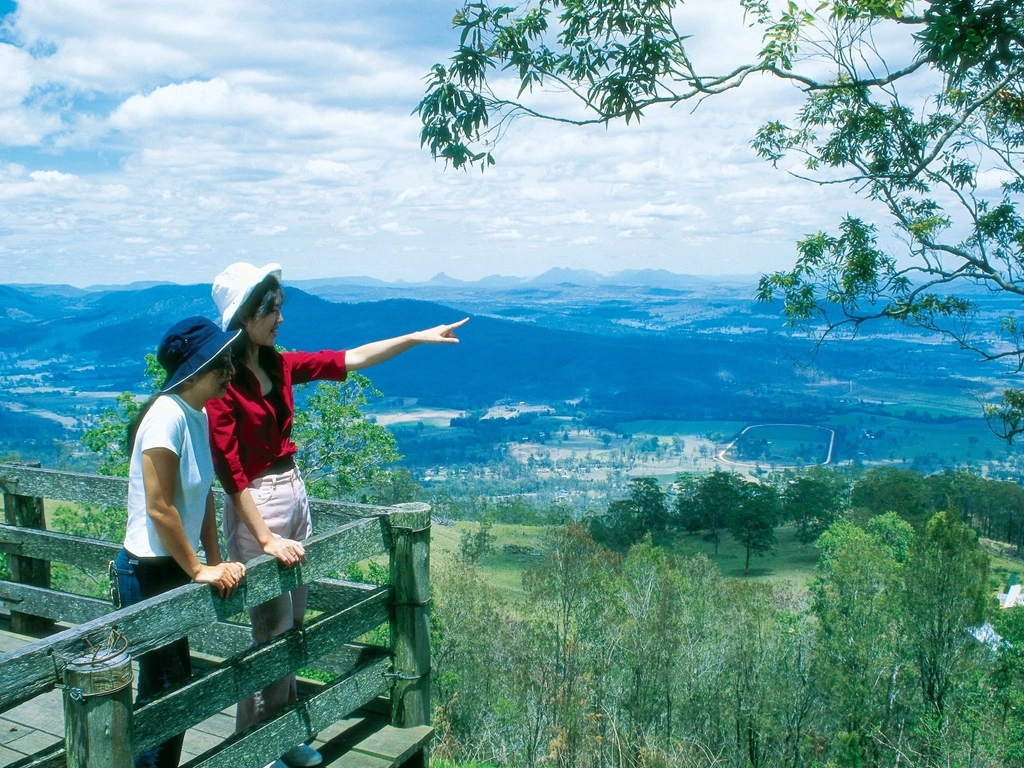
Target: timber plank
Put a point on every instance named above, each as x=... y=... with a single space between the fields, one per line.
x=221 y=639
x=359 y=760
x=332 y=595
x=90 y=554
x=53 y=757
x=52 y=604
x=395 y=744
x=326 y=553
x=113 y=492
x=265 y=741
x=204 y=696
x=64 y=486
x=153 y=623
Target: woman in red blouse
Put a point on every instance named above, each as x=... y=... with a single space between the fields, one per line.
x=250 y=429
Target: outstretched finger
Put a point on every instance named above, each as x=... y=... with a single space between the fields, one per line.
x=447 y=332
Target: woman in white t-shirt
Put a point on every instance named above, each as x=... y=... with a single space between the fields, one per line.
x=170 y=502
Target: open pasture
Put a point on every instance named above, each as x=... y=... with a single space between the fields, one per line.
x=781 y=445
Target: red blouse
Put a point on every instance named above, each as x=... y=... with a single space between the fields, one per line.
x=247 y=431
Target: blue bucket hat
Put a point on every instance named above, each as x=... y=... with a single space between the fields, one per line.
x=188 y=346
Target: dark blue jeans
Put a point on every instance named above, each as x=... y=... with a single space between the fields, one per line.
x=137 y=579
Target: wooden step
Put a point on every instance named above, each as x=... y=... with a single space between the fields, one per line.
x=385 y=748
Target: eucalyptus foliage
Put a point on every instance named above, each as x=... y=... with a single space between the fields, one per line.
x=648 y=660
x=341 y=452
x=917 y=106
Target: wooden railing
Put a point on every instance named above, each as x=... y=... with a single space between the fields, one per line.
x=344 y=534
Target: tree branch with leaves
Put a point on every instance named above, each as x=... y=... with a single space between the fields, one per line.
x=916 y=106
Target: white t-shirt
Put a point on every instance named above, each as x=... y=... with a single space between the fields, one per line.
x=173 y=424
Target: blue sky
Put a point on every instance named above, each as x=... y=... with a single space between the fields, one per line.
x=164 y=140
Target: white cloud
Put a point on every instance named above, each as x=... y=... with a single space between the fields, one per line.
x=398 y=228
x=578 y=216
x=16 y=83
x=52 y=177
x=148 y=136
x=328 y=170
x=505 y=234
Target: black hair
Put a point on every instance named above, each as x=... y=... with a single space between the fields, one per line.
x=264 y=299
x=133 y=426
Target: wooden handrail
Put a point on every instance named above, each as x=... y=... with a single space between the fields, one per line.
x=113 y=491
x=82 y=552
x=346 y=534
x=28 y=671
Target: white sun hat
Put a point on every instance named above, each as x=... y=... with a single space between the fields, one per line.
x=234 y=285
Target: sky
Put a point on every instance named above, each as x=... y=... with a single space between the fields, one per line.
x=165 y=140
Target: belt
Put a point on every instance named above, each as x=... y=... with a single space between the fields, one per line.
x=282 y=465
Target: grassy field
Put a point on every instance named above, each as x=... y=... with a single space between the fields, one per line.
x=791 y=561
x=785 y=444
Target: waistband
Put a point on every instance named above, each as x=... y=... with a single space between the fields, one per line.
x=282 y=465
x=151 y=565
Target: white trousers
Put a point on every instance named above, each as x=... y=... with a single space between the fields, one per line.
x=281 y=500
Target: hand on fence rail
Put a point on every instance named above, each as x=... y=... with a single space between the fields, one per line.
x=287 y=551
x=223 y=577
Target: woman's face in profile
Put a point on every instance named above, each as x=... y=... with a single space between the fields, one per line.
x=262 y=329
x=213 y=381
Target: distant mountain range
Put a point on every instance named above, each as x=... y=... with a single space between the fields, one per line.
x=95 y=341
x=701 y=350
x=650 y=278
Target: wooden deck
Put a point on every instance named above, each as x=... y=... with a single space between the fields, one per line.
x=39 y=723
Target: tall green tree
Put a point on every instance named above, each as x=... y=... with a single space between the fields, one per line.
x=752 y=522
x=887 y=489
x=813 y=499
x=1007 y=677
x=711 y=504
x=647 y=498
x=566 y=599
x=946 y=593
x=647 y=630
x=645 y=511
x=856 y=598
x=916 y=106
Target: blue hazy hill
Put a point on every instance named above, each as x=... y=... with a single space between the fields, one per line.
x=96 y=342
x=727 y=361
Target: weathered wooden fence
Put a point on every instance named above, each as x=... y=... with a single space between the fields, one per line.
x=344 y=534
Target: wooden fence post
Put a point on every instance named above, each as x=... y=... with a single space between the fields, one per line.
x=26 y=512
x=98 y=709
x=410 y=615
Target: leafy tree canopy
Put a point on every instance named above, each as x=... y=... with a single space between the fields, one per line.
x=813 y=500
x=887 y=489
x=752 y=522
x=629 y=520
x=918 y=106
x=341 y=452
